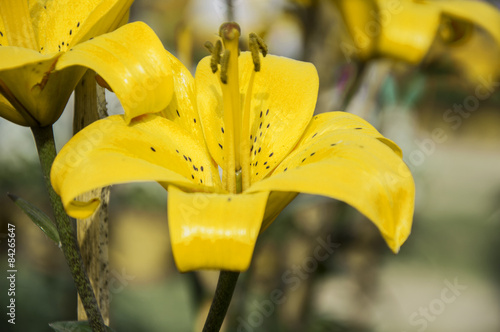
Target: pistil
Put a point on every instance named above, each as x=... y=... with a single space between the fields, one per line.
x=230 y=33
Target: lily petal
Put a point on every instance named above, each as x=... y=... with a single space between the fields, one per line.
x=4 y=41
x=356 y=14
x=183 y=109
x=17 y=25
x=213 y=231
x=109 y=151
x=354 y=166
x=277 y=117
x=64 y=23
x=133 y=62
x=9 y=113
x=32 y=86
x=480 y=13
x=408 y=32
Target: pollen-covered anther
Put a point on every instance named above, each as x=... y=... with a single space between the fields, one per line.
x=215 y=51
x=256 y=45
x=224 y=64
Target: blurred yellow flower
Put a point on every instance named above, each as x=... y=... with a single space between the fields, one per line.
x=258 y=128
x=45 y=50
x=407 y=29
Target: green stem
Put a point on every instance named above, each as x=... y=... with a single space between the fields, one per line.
x=222 y=299
x=44 y=138
x=353 y=88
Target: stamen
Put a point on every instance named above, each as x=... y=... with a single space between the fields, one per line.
x=224 y=65
x=209 y=46
x=215 y=51
x=256 y=44
x=236 y=126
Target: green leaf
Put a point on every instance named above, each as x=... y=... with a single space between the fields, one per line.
x=38 y=217
x=74 y=326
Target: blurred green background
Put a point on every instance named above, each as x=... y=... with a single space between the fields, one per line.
x=446 y=277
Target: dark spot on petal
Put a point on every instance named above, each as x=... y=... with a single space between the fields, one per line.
x=192 y=176
x=221 y=146
x=70 y=32
x=260 y=135
x=177 y=151
x=255 y=140
x=222 y=129
x=78 y=24
x=251 y=148
x=153 y=149
x=185 y=158
x=178 y=113
x=303 y=159
x=333 y=144
x=314 y=135
x=255 y=152
x=285 y=169
x=256 y=163
x=201 y=168
x=229 y=199
x=312 y=154
x=257 y=173
x=194 y=120
x=259 y=150
x=194 y=167
x=201 y=181
x=189 y=159
x=1 y=34
x=268 y=125
x=261 y=114
x=272 y=153
x=260 y=126
x=265 y=163
x=358 y=128
x=251 y=137
x=267 y=167
x=267 y=112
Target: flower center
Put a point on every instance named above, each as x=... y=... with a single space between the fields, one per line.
x=236 y=119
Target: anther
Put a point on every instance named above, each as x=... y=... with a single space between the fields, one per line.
x=215 y=51
x=256 y=45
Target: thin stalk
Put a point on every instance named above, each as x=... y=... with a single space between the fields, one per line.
x=222 y=299
x=92 y=232
x=354 y=87
x=44 y=138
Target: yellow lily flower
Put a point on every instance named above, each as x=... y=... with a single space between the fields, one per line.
x=406 y=29
x=45 y=50
x=259 y=128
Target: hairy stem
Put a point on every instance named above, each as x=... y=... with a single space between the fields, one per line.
x=44 y=138
x=92 y=232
